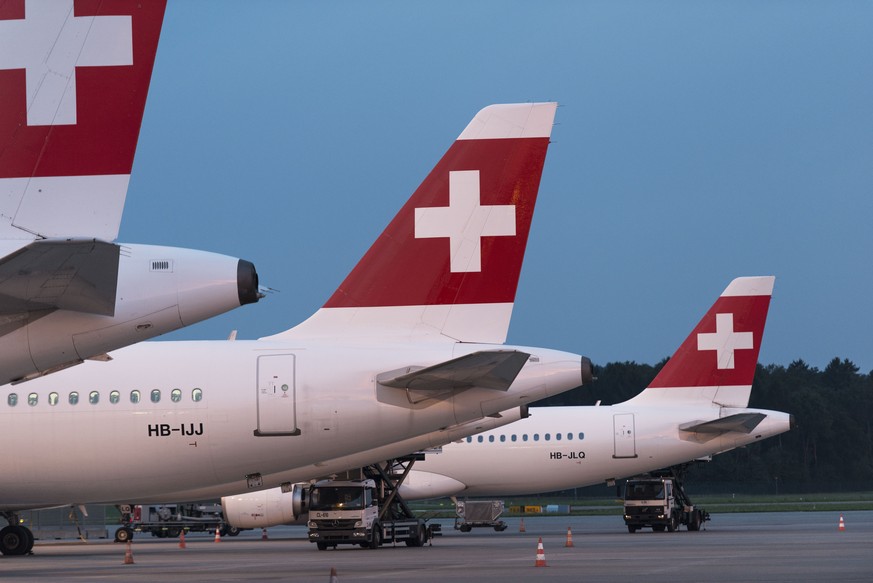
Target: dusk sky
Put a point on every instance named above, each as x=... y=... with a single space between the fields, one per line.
x=695 y=142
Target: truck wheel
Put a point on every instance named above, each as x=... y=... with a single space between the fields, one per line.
x=376 y=539
x=321 y=546
x=418 y=539
x=123 y=534
x=673 y=524
x=233 y=530
x=631 y=529
x=465 y=528
x=694 y=521
x=174 y=532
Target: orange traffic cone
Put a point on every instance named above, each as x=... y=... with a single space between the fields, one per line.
x=842 y=526
x=541 y=554
x=263 y=534
x=128 y=555
x=217 y=535
x=569 y=542
x=333 y=577
x=182 y=539
x=521 y=526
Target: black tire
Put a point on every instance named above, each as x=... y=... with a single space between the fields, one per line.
x=376 y=537
x=123 y=534
x=233 y=530
x=14 y=540
x=174 y=532
x=466 y=528
x=419 y=538
x=631 y=529
x=321 y=546
x=673 y=525
x=694 y=521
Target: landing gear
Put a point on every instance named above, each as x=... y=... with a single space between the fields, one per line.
x=16 y=540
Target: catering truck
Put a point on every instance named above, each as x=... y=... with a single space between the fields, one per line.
x=367 y=512
x=659 y=501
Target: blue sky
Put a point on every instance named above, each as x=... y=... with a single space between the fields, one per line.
x=696 y=142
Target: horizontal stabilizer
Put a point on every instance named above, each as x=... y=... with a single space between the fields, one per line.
x=487 y=369
x=741 y=422
x=75 y=275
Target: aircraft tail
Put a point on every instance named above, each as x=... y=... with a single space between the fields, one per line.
x=447 y=265
x=73 y=85
x=717 y=361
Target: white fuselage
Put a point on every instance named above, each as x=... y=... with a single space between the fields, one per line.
x=558 y=448
x=230 y=416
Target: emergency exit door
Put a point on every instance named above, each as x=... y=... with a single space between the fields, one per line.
x=625 y=436
x=277 y=398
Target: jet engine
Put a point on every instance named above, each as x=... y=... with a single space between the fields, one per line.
x=285 y=505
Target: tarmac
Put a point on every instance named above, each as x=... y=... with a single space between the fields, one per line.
x=760 y=547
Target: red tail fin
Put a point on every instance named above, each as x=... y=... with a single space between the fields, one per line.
x=723 y=348
x=449 y=261
x=73 y=83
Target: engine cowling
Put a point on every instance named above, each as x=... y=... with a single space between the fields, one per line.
x=285 y=505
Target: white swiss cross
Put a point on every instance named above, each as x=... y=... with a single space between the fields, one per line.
x=724 y=340
x=465 y=221
x=50 y=43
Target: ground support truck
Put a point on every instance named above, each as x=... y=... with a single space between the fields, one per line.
x=658 y=500
x=170 y=520
x=367 y=512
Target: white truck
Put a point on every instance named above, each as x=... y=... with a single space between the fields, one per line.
x=660 y=502
x=366 y=512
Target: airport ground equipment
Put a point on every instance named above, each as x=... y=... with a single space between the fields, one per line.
x=471 y=514
x=169 y=520
x=368 y=512
x=658 y=500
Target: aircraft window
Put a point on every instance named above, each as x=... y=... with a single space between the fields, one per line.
x=197 y=395
x=176 y=395
x=156 y=396
x=581 y=435
x=490 y=439
x=53 y=398
x=536 y=436
x=524 y=437
x=502 y=438
x=558 y=436
x=469 y=439
x=32 y=399
x=548 y=437
x=12 y=399
x=569 y=436
x=479 y=439
x=513 y=438
x=94 y=397
x=74 y=398
x=114 y=397
x=135 y=396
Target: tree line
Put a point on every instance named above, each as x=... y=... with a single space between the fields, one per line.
x=830 y=449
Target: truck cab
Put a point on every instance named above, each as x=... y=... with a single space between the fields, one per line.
x=344 y=512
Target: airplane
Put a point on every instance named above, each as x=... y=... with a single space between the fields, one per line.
x=73 y=84
x=696 y=407
x=411 y=342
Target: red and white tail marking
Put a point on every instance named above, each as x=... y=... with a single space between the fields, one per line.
x=721 y=353
x=448 y=264
x=73 y=83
